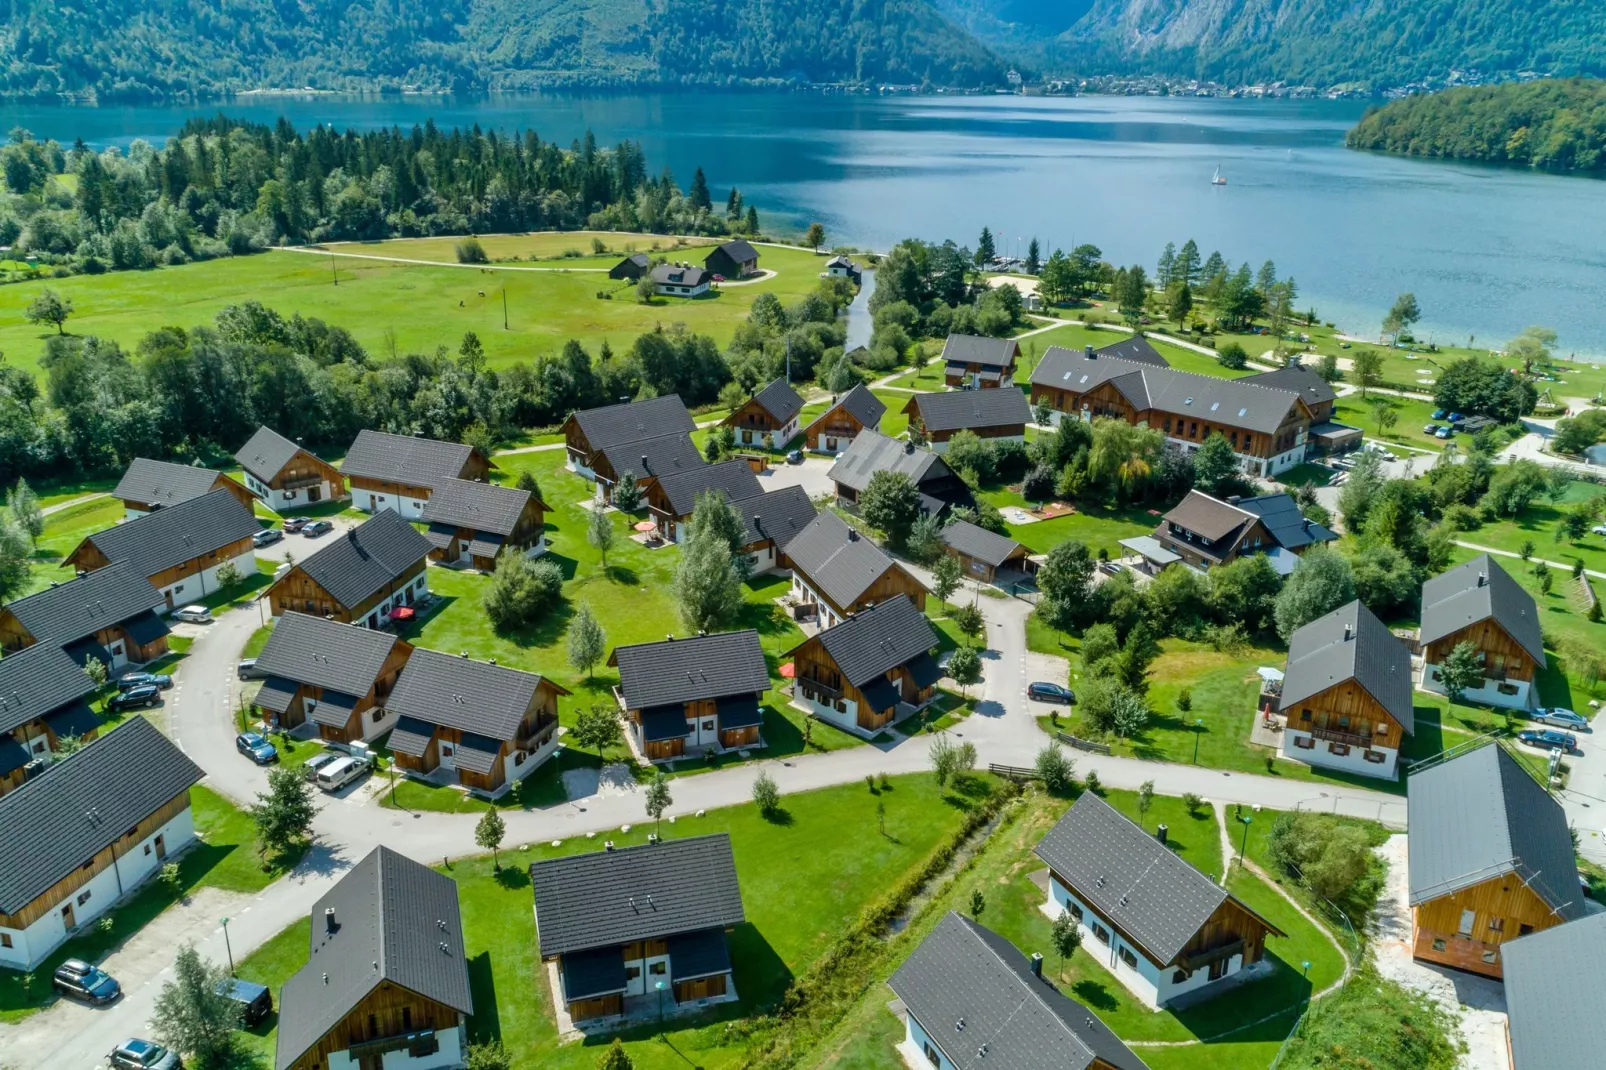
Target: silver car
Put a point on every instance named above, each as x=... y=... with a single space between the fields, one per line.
x=1561 y=718
x=135 y=1054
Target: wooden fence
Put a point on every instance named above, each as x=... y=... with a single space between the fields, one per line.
x=1083 y=744
x=1013 y=772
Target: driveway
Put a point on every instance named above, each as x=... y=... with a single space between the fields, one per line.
x=811 y=475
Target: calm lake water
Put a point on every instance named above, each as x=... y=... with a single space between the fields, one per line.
x=1486 y=251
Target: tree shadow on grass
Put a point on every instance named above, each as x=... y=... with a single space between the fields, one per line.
x=1095 y=995
x=780 y=817
x=513 y=877
x=567 y=565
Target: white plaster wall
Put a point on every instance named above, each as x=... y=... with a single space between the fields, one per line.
x=193 y=588
x=918 y=1037
x=531 y=763
x=1354 y=762
x=1489 y=694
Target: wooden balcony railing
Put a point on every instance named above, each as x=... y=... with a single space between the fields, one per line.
x=1353 y=739
x=821 y=686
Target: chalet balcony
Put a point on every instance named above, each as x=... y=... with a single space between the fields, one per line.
x=299 y=482
x=417 y=1045
x=1353 y=739
x=539 y=738
x=820 y=686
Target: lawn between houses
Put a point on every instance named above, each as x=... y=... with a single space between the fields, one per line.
x=804 y=880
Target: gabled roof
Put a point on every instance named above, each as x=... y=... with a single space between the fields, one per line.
x=266 y=453
x=1136 y=881
x=1135 y=348
x=37 y=680
x=359 y=562
x=81 y=803
x=394 y=920
x=1553 y=981
x=606 y=898
x=407 y=459
x=979 y=543
x=734 y=479
x=661 y=456
x=1476 y=591
x=959 y=409
x=639 y=259
x=777 y=516
x=1079 y=372
x=1350 y=643
x=1220 y=522
x=633 y=421
x=163 y=483
x=780 y=401
x=1480 y=815
x=326 y=653
x=841 y=563
x=1237 y=403
x=861 y=404
x=871 y=452
x=473 y=696
x=178 y=533
x=974 y=994
x=1284 y=522
x=83 y=606
x=1301 y=380
x=877 y=639
x=674 y=671
x=466 y=503
x=679 y=275
x=996 y=353
x=738 y=249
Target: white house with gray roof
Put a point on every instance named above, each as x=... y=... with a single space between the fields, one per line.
x=1479 y=603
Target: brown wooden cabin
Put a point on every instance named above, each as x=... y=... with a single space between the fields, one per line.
x=296 y=590
x=701 y=693
x=768 y=418
x=112 y=614
x=358 y=576
x=338 y=675
x=388 y=471
x=861 y=674
x=672 y=499
x=44 y=697
x=629 y=431
x=985 y=363
x=477 y=521
x=1478 y=602
x=985 y=413
x=983 y=554
x=149 y=485
x=831 y=563
x=286 y=476
x=835 y=428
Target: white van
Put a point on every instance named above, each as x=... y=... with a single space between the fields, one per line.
x=340 y=772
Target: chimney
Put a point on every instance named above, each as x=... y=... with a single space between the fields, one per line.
x=1088 y=352
x=1349 y=633
x=329 y=923
x=1234 y=499
x=644 y=462
x=1483 y=579
x=1037 y=964
x=1161 y=832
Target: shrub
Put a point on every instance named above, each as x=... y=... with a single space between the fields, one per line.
x=1055 y=769
x=521 y=590
x=470 y=251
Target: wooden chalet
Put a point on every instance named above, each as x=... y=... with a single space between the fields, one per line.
x=284 y=475
x=693 y=695
x=1553 y=981
x=672 y=498
x=838 y=572
x=842 y=267
x=44 y=698
x=631 y=267
x=617 y=924
x=647 y=438
x=180 y=549
x=869 y=671
x=484 y=725
x=113 y=614
x=332 y=674
x=359 y=576
x=974 y=363
x=79 y=838
x=470 y=523
x=386 y=979
x=835 y=429
x=149 y=485
x=1205 y=531
x=770 y=523
x=872 y=452
x=1327 y=436
x=733 y=259
x=990 y=414
x=768 y=419
x=1479 y=603
x=986 y=555
x=400 y=472
x=972 y=999
x=1491 y=860
x=1161 y=927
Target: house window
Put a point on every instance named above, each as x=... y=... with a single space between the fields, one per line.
x=1506 y=688
x=147 y=848
x=1340 y=750
x=841 y=706
x=1343 y=722
x=407 y=1019
x=376 y=713
x=1468 y=918
x=1076 y=911
x=1304 y=743
x=1524 y=930
x=1128 y=958
x=632 y=973
x=1382 y=731
x=1491 y=956
x=657 y=968
x=1376 y=757
x=1218 y=969
x=708 y=726
x=1438 y=945
x=1179 y=977
x=179 y=589
x=1497 y=925
x=1304 y=715
x=1101 y=934
x=83 y=897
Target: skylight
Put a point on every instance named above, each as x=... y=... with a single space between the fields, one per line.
x=1214 y=405
x=1242 y=411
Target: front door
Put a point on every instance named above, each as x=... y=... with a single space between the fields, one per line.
x=314 y=492
x=68 y=919
x=373 y=503
x=161 y=849
x=446 y=756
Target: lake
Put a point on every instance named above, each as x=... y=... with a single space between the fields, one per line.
x=1487 y=251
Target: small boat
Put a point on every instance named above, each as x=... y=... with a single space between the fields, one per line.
x=1219 y=180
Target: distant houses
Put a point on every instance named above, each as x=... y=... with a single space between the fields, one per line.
x=360 y=576
x=681 y=280
x=837 y=572
x=734 y=259
x=870 y=670
x=974 y=363
x=399 y=472
x=768 y=419
x=113 y=614
x=835 y=429
x=148 y=485
x=693 y=695
x=1479 y=603
x=471 y=523
x=631 y=267
x=988 y=414
x=842 y=267
x=646 y=438
x=286 y=476
x=332 y=674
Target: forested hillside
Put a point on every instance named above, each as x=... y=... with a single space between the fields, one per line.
x=131 y=49
x=1552 y=125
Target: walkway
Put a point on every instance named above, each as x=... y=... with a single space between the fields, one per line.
x=70 y=502
x=313 y=250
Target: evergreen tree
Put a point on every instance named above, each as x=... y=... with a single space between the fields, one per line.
x=733 y=206
x=699 y=192
x=1185 y=268
x=1166 y=268
x=751 y=225
x=1034 y=257
x=600 y=533
x=615 y=1058
x=985 y=251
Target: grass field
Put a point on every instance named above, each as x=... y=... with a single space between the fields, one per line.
x=1410 y=417
x=408 y=307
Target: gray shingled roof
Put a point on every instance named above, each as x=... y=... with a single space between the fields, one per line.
x=975 y=995
x=1479 y=815
x=266 y=453
x=1210 y=517
x=1240 y=403
x=1285 y=523
x=1136 y=881
x=673 y=671
x=466 y=503
x=739 y=250
x=1480 y=590
x=778 y=515
x=780 y=401
x=326 y=653
x=1553 y=981
x=407 y=459
x=163 y=483
x=863 y=405
x=996 y=353
x=37 y=680
x=960 y=409
x=612 y=425
x=83 y=606
x=178 y=533
x=734 y=479
x=877 y=639
x=679 y=275
x=871 y=452
x=615 y=897
x=1074 y=370
x=473 y=696
x=1301 y=380
x=359 y=562
x=80 y=804
x=396 y=921
x=836 y=560
x=661 y=456
x=1350 y=643
x=1135 y=348
x=979 y=543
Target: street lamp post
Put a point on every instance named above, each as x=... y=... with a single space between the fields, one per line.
x=660 y=987
x=1243 y=847
x=227 y=947
x=1198 y=727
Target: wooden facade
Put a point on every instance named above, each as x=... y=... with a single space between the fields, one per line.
x=894 y=581
x=298 y=591
x=88 y=557
x=536 y=729
x=1503 y=657
x=835 y=423
x=1466 y=928
x=1348 y=715
x=14 y=637
x=1254 y=539
x=700 y=988
x=640 y=951
x=102 y=860
x=222 y=482
x=296 y=713
x=388 y=1013
x=912 y=410
x=696 y=712
x=526 y=533
x=752 y=416
x=975 y=568
x=305 y=472
x=816 y=673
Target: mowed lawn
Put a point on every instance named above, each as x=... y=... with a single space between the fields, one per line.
x=804 y=880
x=415 y=307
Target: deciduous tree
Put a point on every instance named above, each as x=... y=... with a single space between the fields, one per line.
x=1461 y=670
x=658 y=800
x=707 y=585
x=283 y=814
x=597 y=728
x=587 y=641
x=49 y=307
x=194 y=1014
x=24 y=507
x=488 y=833
x=815 y=236
x=964 y=668
x=890 y=504
x=1319 y=584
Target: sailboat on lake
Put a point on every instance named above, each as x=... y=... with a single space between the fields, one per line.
x=1219 y=180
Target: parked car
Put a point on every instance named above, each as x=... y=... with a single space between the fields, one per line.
x=1456 y=417
x=194 y=614
x=316 y=528
x=1045 y=692
x=294 y=524
x=1444 y=432
x=145 y=695
x=266 y=537
x=247 y=670
x=1598 y=529
x=77 y=979
x=255 y=1001
x=1439 y=414
x=340 y=772
x=1430 y=429
x=1561 y=718
x=319 y=761
x=256 y=747
x=136 y=1054
x=142 y=679
x=795 y=457
x=1549 y=739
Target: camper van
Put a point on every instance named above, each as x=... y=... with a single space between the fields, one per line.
x=340 y=772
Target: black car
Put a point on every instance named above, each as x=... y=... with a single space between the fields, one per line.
x=316 y=528
x=136 y=1054
x=1045 y=692
x=135 y=697
x=254 y=1000
x=266 y=537
x=130 y=680
x=256 y=747
x=77 y=979
x=294 y=524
